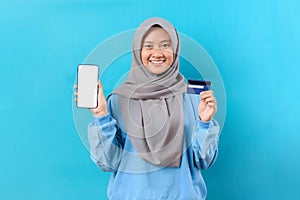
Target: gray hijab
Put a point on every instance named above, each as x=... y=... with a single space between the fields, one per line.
x=151 y=105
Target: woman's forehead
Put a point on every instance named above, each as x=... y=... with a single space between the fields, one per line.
x=156 y=34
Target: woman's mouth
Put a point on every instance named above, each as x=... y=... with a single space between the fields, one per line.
x=157 y=62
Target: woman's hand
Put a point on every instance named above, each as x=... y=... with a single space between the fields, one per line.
x=208 y=105
x=102 y=107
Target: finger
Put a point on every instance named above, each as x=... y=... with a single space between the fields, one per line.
x=99 y=84
x=93 y=110
x=75 y=88
x=75 y=93
x=206 y=94
x=210 y=99
x=211 y=104
x=100 y=90
x=214 y=107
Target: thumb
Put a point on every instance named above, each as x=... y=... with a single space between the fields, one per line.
x=100 y=90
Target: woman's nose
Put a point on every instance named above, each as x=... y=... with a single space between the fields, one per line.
x=157 y=52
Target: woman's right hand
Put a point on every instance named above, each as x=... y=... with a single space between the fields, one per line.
x=102 y=106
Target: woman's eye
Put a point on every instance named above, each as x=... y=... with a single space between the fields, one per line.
x=166 y=45
x=148 y=46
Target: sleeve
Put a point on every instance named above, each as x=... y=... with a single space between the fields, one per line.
x=106 y=142
x=205 y=144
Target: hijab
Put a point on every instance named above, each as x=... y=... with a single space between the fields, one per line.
x=151 y=105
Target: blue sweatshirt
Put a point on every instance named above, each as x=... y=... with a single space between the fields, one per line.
x=133 y=178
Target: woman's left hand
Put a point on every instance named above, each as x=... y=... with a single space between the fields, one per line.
x=208 y=105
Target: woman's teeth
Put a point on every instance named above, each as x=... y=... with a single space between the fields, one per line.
x=157 y=61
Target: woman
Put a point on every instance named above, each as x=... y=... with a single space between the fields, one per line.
x=150 y=134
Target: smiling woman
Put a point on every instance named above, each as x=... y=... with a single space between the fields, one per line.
x=150 y=132
x=157 y=51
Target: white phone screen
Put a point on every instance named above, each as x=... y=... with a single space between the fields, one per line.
x=87 y=86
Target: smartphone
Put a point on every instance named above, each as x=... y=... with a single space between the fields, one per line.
x=197 y=86
x=87 y=86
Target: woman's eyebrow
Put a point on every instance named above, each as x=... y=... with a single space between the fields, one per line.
x=151 y=42
x=165 y=41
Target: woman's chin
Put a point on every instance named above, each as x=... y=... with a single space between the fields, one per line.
x=157 y=69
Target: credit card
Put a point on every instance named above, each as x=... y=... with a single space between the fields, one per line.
x=197 y=86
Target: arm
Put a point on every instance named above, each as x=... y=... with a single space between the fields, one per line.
x=105 y=139
x=104 y=135
x=206 y=131
x=205 y=144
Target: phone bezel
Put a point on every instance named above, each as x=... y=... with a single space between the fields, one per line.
x=87 y=65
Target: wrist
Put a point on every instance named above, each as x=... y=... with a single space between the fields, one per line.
x=203 y=119
x=202 y=125
x=100 y=113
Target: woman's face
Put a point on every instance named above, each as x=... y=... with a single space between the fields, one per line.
x=157 y=51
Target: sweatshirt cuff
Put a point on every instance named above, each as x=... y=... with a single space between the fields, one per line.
x=202 y=125
x=103 y=119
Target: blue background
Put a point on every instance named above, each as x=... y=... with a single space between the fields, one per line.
x=255 y=45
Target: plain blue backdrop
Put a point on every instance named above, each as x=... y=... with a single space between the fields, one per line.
x=255 y=44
